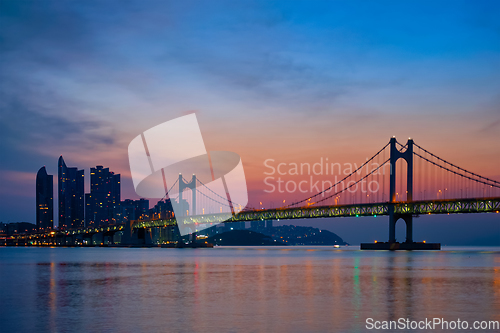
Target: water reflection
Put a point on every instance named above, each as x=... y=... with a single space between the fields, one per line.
x=224 y=289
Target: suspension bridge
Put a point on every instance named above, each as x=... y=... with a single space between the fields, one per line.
x=399 y=181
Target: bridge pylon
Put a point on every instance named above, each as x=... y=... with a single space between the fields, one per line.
x=192 y=186
x=408 y=244
x=188 y=185
x=407 y=155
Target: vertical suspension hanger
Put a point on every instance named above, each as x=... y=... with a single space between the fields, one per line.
x=378 y=176
x=400 y=179
x=382 y=181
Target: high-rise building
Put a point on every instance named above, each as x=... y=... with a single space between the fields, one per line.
x=102 y=205
x=142 y=208
x=162 y=210
x=71 y=196
x=44 y=200
x=133 y=209
x=90 y=213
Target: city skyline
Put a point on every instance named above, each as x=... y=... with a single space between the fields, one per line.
x=101 y=206
x=76 y=208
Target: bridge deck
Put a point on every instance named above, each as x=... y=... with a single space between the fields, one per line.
x=452 y=206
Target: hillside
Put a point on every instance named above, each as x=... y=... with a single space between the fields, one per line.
x=242 y=237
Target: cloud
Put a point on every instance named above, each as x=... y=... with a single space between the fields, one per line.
x=35 y=118
x=42 y=43
x=49 y=34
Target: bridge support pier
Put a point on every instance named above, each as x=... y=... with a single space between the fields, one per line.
x=392 y=225
x=409 y=228
x=393 y=218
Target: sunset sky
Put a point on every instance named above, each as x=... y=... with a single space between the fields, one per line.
x=293 y=81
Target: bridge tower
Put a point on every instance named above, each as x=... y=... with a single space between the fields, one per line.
x=192 y=186
x=407 y=155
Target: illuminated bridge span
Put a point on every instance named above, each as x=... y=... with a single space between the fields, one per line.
x=450 y=206
x=399 y=181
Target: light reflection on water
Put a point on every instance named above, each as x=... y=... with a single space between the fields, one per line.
x=241 y=289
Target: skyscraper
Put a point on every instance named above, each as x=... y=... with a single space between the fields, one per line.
x=44 y=200
x=71 y=196
x=134 y=209
x=103 y=202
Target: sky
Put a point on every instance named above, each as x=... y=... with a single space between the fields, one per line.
x=292 y=81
